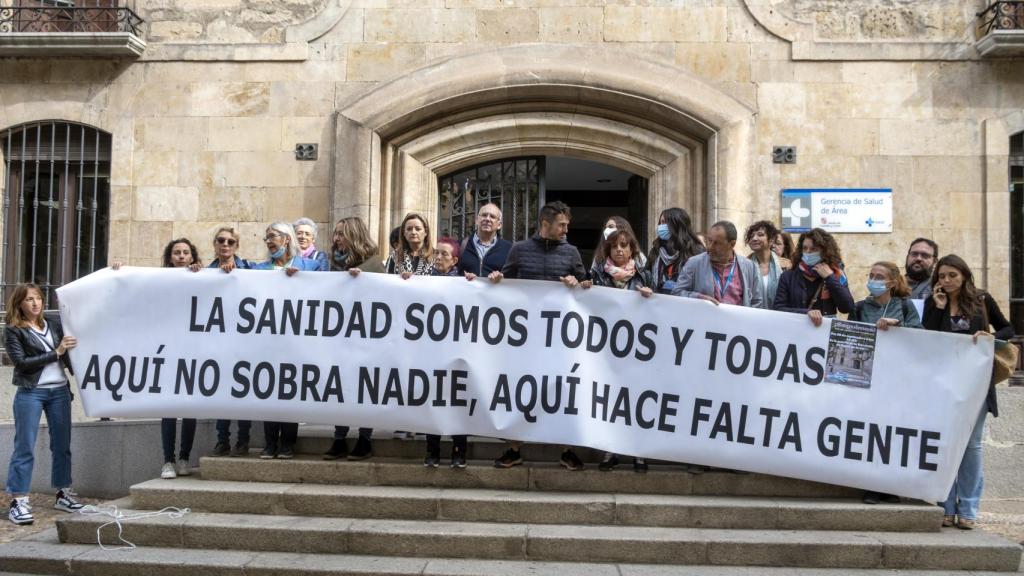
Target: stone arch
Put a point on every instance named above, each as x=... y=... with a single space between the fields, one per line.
x=693 y=142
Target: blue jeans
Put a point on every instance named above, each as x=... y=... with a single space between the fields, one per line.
x=224 y=431
x=965 y=494
x=28 y=406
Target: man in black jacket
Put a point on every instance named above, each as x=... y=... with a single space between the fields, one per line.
x=546 y=256
x=483 y=252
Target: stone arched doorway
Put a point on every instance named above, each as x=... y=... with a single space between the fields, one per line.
x=692 y=142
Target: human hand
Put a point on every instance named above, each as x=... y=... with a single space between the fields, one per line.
x=939 y=297
x=816 y=317
x=707 y=298
x=291 y=271
x=646 y=292
x=823 y=269
x=495 y=276
x=884 y=323
x=66 y=343
x=406 y=275
x=354 y=272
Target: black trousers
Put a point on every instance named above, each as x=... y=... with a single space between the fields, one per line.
x=224 y=431
x=283 y=434
x=459 y=443
x=340 y=432
x=188 y=435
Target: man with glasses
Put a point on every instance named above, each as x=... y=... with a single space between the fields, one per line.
x=920 y=260
x=483 y=252
x=225 y=246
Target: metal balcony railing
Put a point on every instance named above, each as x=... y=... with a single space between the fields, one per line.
x=1001 y=15
x=61 y=17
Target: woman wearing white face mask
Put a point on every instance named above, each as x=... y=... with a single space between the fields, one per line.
x=817 y=286
x=611 y=225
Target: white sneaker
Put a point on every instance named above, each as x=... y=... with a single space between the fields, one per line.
x=21 y=512
x=167 y=472
x=66 y=501
x=183 y=468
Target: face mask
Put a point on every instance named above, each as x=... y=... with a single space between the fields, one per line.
x=663 y=232
x=811 y=258
x=877 y=287
x=278 y=254
x=608 y=232
x=340 y=256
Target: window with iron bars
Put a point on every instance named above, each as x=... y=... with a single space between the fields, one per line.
x=56 y=204
x=516 y=185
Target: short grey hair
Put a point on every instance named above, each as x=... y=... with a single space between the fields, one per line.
x=729 y=228
x=289 y=231
x=305 y=222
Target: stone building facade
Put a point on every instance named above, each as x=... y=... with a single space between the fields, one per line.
x=689 y=95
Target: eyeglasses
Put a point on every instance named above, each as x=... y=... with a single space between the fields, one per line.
x=222 y=241
x=310 y=234
x=921 y=255
x=270 y=237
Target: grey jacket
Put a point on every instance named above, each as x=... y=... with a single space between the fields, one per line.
x=774 y=272
x=697 y=277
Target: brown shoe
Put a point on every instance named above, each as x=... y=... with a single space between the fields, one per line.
x=965 y=524
x=948 y=521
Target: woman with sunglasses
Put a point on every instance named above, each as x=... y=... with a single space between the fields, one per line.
x=225 y=247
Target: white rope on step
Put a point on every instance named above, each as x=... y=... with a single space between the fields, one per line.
x=117 y=517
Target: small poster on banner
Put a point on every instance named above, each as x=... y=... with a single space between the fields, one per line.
x=851 y=353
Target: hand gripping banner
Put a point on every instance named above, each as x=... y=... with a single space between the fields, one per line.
x=662 y=377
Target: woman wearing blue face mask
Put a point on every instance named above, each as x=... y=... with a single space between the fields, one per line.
x=817 y=286
x=888 y=305
x=283 y=254
x=675 y=244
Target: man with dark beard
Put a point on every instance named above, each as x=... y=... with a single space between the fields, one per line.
x=920 y=259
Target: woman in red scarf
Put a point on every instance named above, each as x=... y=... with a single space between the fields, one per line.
x=817 y=286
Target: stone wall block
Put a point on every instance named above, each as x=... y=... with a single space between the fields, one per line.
x=576 y=24
x=782 y=100
x=120 y=203
x=308 y=71
x=507 y=25
x=313 y=99
x=260 y=169
x=903 y=101
x=148 y=240
x=929 y=138
x=172 y=133
x=245 y=204
x=717 y=61
x=368 y=62
x=828 y=100
x=225 y=32
x=420 y=25
x=296 y=130
x=174 y=31
x=196 y=169
x=229 y=99
x=185 y=72
x=166 y=203
x=157 y=167
x=285 y=203
x=244 y=134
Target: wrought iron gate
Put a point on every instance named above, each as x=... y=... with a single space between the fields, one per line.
x=516 y=185
x=56 y=203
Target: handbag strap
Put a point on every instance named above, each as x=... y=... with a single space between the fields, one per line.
x=814 y=299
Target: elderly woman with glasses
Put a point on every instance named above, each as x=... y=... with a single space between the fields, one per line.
x=283 y=253
x=305 y=233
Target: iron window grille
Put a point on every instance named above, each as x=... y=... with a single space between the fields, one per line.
x=516 y=185
x=56 y=204
x=62 y=16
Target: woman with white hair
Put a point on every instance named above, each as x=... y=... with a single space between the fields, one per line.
x=305 y=233
x=283 y=254
x=283 y=251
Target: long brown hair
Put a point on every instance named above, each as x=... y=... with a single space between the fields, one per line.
x=899 y=288
x=360 y=246
x=968 y=299
x=427 y=251
x=15 y=317
x=620 y=224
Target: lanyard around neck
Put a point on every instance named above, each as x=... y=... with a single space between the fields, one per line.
x=722 y=286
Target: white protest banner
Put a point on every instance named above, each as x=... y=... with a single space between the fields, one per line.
x=663 y=377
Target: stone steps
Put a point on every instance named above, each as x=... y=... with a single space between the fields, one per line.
x=44 y=554
x=540 y=476
x=556 y=542
x=534 y=507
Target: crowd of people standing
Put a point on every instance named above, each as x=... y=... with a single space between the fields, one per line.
x=808 y=278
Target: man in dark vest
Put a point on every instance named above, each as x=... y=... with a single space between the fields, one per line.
x=545 y=256
x=483 y=252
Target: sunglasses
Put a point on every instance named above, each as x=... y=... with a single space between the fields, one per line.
x=227 y=241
